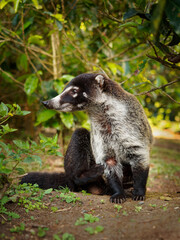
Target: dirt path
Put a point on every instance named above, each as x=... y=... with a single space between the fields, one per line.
x=158 y=217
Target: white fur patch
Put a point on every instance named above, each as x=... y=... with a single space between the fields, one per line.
x=85 y=95
x=121 y=135
x=100 y=80
x=56 y=101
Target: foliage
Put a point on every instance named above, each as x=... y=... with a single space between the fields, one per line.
x=65 y=236
x=88 y=218
x=95 y=230
x=27 y=195
x=69 y=197
x=18 y=229
x=134 y=42
x=44 y=44
x=20 y=151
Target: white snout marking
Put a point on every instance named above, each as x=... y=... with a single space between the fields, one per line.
x=85 y=95
x=56 y=101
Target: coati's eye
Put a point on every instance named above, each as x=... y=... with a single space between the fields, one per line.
x=74 y=90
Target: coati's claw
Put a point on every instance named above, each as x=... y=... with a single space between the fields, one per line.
x=118 y=198
x=138 y=198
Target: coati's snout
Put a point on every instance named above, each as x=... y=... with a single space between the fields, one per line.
x=46 y=104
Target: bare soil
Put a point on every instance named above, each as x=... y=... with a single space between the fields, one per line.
x=158 y=217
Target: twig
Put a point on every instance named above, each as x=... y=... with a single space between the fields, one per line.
x=3 y=217
x=62 y=210
x=153 y=48
x=111 y=17
x=165 y=63
x=126 y=50
x=12 y=78
x=160 y=88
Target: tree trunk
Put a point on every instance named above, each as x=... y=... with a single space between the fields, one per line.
x=56 y=51
x=57 y=69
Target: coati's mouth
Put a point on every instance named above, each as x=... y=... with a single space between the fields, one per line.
x=65 y=107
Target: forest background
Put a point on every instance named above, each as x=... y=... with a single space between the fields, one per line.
x=44 y=44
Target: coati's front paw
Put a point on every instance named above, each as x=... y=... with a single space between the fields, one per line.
x=118 y=198
x=138 y=195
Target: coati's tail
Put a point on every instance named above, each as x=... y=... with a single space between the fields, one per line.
x=46 y=180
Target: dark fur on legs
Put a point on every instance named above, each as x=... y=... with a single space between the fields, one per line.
x=81 y=172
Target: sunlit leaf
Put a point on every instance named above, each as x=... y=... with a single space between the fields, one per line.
x=44 y=116
x=31 y=84
x=16 y=5
x=37 y=40
x=67 y=119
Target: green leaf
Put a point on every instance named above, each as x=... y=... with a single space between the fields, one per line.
x=37 y=159
x=58 y=85
x=99 y=229
x=36 y=4
x=7 y=129
x=28 y=159
x=113 y=67
x=31 y=84
x=44 y=116
x=23 y=113
x=37 y=40
x=58 y=16
x=5 y=170
x=4 y=2
x=16 y=5
x=20 y=170
x=172 y=10
x=21 y=144
x=3 y=110
x=59 y=25
x=4 y=200
x=22 y=62
x=67 y=119
x=5 y=147
x=48 y=191
x=68 y=236
x=67 y=77
x=130 y=13
x=90 y=230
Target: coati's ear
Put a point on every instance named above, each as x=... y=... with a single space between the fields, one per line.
x=100 y=80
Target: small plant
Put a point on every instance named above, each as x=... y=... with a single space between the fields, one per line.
x=88 y=218
x=18 y=229
x=95 y=230
x=20 y=151
x=152 y=205
x=102 y=201
x=54 y=209
x=138 y=208
x=3 y=209
x=118 y=207
x=65 y=236
x=84 y=193
x=125 y=213
x=69 y=197
x=42 y=231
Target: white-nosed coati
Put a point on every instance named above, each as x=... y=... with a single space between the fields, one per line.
x=120 y=137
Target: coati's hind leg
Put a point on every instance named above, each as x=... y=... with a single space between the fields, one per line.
x=79 y=162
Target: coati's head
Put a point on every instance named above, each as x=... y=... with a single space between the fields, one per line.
x=78 y=94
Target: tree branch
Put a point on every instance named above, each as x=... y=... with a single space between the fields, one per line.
x=163 y=62
x=160 y=88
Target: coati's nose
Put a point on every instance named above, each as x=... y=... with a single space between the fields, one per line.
x=46 y=103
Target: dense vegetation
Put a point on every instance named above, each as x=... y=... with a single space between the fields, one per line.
x=44 y=44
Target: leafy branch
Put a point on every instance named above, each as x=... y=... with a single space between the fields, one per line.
x=159 y=88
